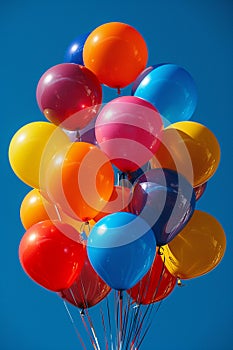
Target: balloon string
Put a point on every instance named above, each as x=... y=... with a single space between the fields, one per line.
x=125 y=320
x=132 y=325
x=149 y=308
x=116 y=306
x=82 y=315
x=92 y=329
x=75 y=327
x=120 y=296
x=109 y=322
x=104 y=328
x=78 y=136
x=88 y=316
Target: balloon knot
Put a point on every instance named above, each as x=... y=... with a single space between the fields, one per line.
x=118 y=91
x=82 y=312
x=179 y=283
x=160 y=250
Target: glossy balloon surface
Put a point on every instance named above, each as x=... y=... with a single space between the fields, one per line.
x=166 y=200
x=128 y=130
x=121 y=248
x=156 y=285
x=69 y=95
x=80 y=180
x=74 y=52
x=116 y=52
x=49 y=257
x=197 y=249
x=191 y=149
x=27 y=148
x=32 y=209
x=88 y=289
x=171 y=89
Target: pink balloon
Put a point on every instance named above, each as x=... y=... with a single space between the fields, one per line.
x=128 y=130
x=69 y=95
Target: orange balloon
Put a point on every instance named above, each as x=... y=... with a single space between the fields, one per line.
x=35 y=208
x=79 y=180
x=197 y=249
x=191 y=149
x=116 y=53
x=32 y=209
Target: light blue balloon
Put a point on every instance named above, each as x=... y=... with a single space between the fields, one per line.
x=121 y=248
x=172 y=90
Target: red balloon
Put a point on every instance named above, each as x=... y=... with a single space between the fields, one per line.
x=69 y=94
x=199 y=190
x=49 y=256
x=156 y=285
x=88 y=289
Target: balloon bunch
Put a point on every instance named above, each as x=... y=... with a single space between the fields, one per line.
x=115 y=185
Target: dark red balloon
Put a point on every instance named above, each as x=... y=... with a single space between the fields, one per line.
x=70 y=94
x=88 y=289
x=156 y=285
x=51 y=258
x=199 y=190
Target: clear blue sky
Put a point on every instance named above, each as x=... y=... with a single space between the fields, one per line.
x=194 y=34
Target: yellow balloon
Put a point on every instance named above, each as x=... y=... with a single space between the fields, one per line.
x=189 y=148
x=27 y=147
x=197 y=249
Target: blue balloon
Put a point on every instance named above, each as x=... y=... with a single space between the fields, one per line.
x=170 y=89
x=74 y=52
x=121 y=248
x=142 y=76
x=165 y=200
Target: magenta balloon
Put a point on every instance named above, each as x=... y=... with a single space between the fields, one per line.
x=69 y=95
x=128 y=130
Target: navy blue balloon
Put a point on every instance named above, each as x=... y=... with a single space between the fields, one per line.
x=121 y=248
x=74 y=52
x=171 y=89
x=166 y=200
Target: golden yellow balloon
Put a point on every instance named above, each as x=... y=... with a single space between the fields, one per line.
x=189 y=148
x=27 y=147
x=197 y=249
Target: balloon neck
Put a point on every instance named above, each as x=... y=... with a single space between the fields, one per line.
x=78 y=136
x=120 y=294
x=82 y=312
x=160 y=250
x=179 y=283
x=118 y=91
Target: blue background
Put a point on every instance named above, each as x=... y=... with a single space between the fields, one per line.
x=194 y=34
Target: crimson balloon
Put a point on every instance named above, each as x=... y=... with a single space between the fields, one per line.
x=156 y=285
x=69 y=94
x=88 y=289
